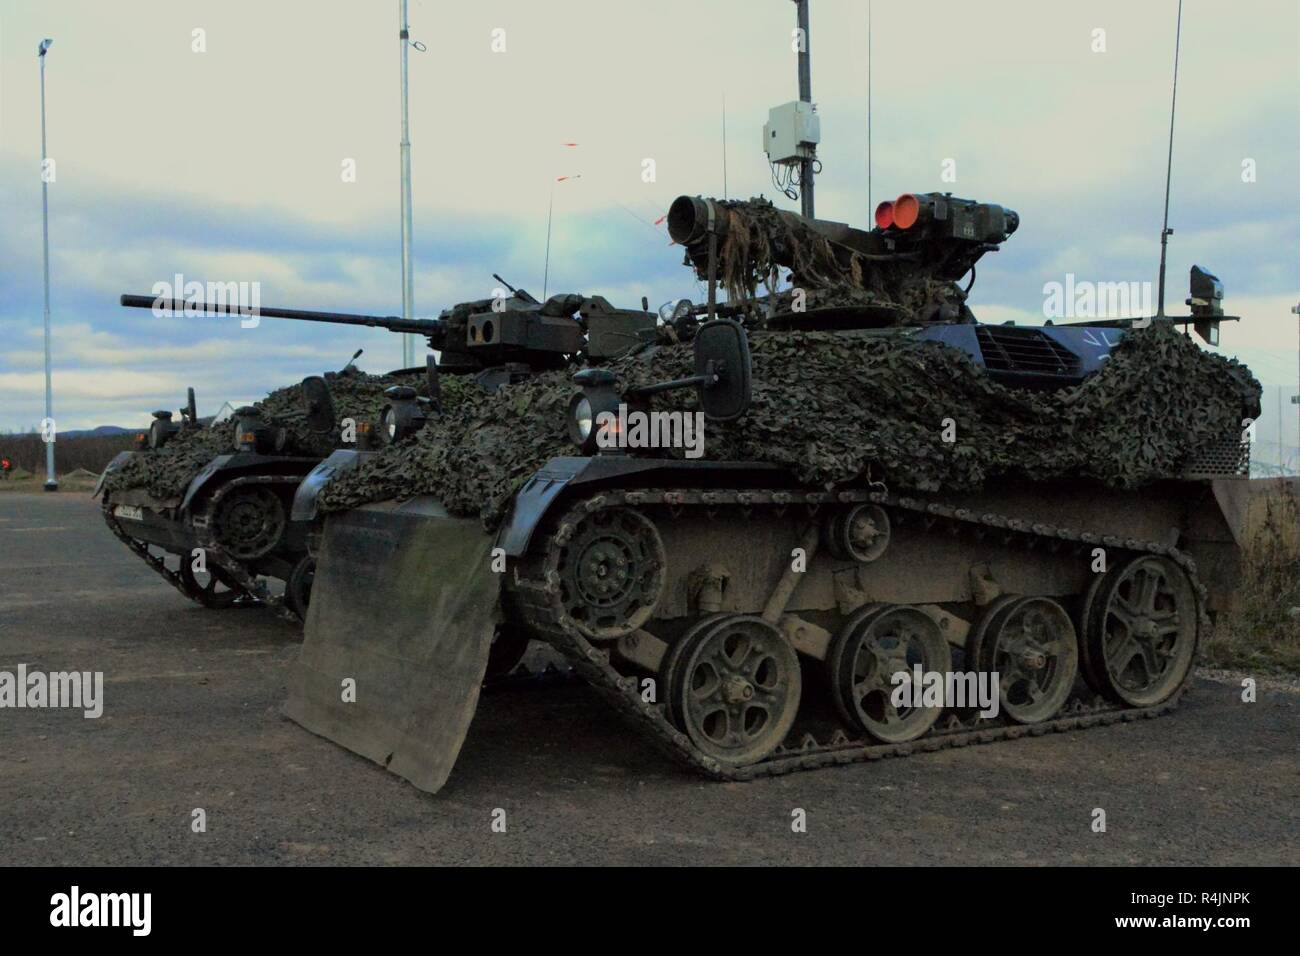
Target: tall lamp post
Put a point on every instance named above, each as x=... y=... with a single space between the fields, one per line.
x=408 y=294
x=1295 y=399
x=47 y=427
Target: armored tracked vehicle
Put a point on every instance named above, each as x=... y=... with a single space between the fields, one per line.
x=216 y=494
x=905 y=530
x=230 y=500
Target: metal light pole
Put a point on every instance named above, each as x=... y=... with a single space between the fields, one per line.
x=51 y=484
x=408 y=295
x=1295 y=399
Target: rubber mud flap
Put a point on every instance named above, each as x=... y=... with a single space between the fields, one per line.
x=404 y=602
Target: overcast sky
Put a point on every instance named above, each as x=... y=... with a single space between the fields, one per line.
x=226 y=164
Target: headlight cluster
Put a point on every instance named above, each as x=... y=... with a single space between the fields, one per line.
x=404 y=414
x=253 y=434
x=161 y=429
x=598 y=396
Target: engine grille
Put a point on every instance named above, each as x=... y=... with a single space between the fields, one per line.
x=1016 y=351
x=1227 y=458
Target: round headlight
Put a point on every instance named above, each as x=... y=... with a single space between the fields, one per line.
x=388 y=424
x=582 y=417
x=587 y=407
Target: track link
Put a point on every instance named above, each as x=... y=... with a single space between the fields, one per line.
x=536 y=588
x=202 y=525
x=141 y=549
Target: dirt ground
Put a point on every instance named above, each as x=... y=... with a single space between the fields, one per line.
x=192 y=721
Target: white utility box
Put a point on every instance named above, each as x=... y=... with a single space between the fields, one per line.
x=791 y=132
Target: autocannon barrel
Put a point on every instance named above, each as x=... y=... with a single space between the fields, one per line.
x=392 y=323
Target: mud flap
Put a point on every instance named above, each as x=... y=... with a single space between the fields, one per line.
x=1243 y=502
x=404 y=603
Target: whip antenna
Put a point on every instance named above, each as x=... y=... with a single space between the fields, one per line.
x=1165 y=231
x=870 y=208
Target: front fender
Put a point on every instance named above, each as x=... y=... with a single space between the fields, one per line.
x=560 y=476
x=304 y=499
x=241 y=463
x=203 y=478
x=120 y=459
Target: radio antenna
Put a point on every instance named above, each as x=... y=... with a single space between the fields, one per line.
x=871 y=208
x=724 y=144
x=1165 y=231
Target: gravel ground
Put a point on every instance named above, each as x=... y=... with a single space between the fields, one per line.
x=192 y=720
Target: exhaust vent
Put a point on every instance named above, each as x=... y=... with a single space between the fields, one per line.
x=1026 y=356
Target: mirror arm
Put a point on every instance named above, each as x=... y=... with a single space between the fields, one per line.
x=645 y=390
x=711 y=377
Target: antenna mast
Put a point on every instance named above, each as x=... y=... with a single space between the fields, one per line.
x=1165 y=231
x=792 y=130
x=724 y=144
x=805 y=95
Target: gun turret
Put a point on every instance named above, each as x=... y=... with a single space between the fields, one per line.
x=470 y=337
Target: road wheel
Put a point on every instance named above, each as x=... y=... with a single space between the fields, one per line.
x=734 y=685
x=878 y=642
x=1142 y=624
x=671 y=664
x=297 y=590
x=213 y=589
x=1032 y=647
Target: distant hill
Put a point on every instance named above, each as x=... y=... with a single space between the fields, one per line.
x=97 y=432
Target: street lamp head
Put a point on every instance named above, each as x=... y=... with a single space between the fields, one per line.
x=45 y=45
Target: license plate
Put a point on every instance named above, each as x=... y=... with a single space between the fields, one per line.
x=132 y=512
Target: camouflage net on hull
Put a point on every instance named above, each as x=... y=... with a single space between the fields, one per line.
x=166 y=472
x=835 y=407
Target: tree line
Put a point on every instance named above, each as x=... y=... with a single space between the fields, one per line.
x=91 y=452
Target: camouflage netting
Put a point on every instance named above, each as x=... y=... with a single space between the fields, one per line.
x=166 y=472
x=832 y=407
